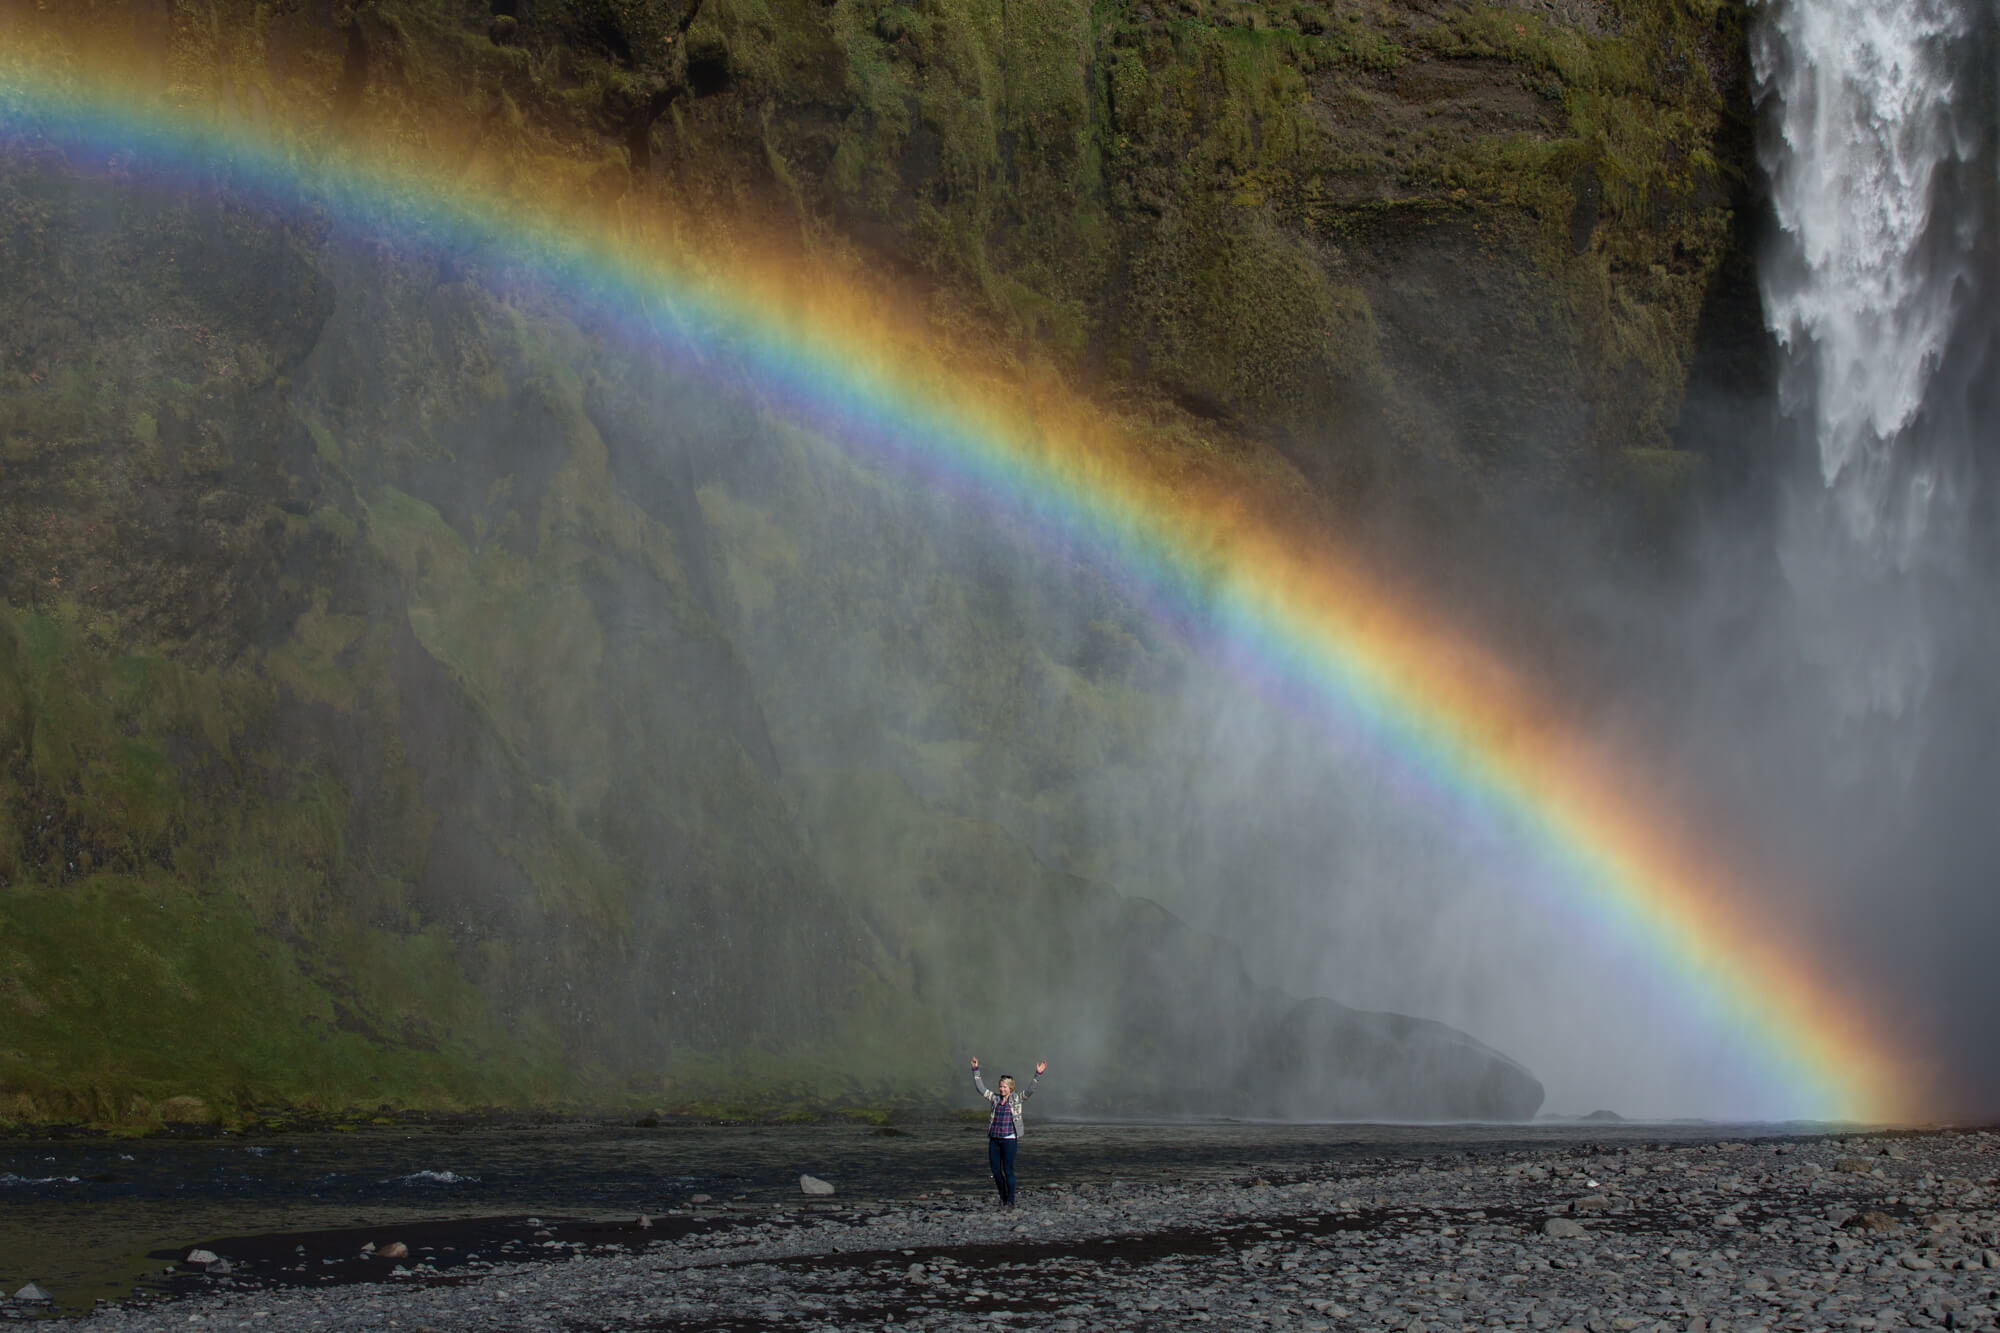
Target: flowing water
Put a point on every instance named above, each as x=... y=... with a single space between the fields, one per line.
x=1880 y=146
x=96 y=1219
x=1881 y=155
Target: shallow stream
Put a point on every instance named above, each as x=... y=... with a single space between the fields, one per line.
x=101 y=1219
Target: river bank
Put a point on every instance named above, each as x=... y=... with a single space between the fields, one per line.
x=1462 y=1229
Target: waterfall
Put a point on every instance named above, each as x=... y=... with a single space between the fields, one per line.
x=1880 y=131
x=1879 y=144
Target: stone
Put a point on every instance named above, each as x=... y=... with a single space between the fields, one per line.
x=1563 y=1229
x=395 y=1249
x=814 y=1185
x=1871 y=1220
x=186 y=1111
x=32 y=1294
x=699 y=1198
x=1591 y=1203
x=1859 y=1166
x=200 y=1258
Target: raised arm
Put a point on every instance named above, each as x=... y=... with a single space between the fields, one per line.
x=1041 y=1068
x=977 y=1084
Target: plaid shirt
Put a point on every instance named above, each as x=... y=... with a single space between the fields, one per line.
x=1006 y=1122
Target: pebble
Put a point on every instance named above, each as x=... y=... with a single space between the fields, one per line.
x=814 y=1185
x=1480 y=1244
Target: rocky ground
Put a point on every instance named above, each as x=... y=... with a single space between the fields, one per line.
x=1866 y=1233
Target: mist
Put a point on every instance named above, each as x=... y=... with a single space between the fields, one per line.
x=819 y=726
x=1808 y=676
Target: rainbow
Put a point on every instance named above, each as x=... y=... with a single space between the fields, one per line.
x=1442 y=717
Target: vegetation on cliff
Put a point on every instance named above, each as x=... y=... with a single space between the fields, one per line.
x=409 y=697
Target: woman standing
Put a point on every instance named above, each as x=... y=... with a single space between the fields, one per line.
x=1003 y=1131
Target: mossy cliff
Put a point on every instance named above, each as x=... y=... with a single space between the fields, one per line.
x=409 y=696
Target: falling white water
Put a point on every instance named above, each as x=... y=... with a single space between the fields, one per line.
x=1875 y=124
x=1866 y=293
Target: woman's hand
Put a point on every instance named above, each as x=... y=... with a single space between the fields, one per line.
x=975 y=1063
x=1041 y=1067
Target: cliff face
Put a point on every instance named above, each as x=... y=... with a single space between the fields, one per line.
x=411 y=695
x=1412 y=243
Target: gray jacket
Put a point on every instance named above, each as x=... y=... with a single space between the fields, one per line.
x=1021 y=1094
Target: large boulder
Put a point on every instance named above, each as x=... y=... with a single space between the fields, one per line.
x=1322 y=1060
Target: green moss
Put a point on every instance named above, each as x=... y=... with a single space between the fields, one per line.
x=867 y=1115
x=149 y=950
x=327 y=446
x=1247 y=318
x=1665 y=477
x=335 y=521
x=174 y=993
x=306 y=663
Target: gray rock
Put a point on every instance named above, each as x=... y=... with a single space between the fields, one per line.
x=814 y=1185
x=1871 y=1220
x=1563 y=1229
x=201 y=1258
x=32 y=1294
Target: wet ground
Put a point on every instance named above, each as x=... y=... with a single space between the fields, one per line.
x=91 y=1220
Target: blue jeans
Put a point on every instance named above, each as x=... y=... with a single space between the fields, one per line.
x=1000 y=1156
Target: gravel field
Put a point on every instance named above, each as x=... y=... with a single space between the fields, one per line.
x=1867 y=1233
